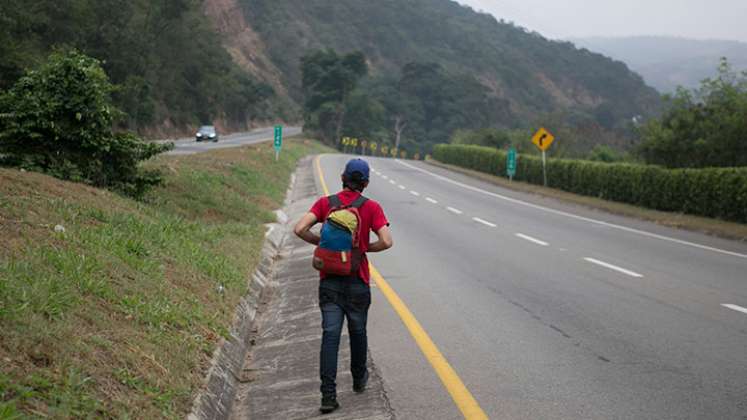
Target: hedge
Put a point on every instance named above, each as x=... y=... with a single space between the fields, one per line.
x=710 y=192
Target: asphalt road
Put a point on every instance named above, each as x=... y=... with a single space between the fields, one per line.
x=188 y=146
x=551 y=311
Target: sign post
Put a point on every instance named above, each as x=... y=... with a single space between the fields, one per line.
x=511 y=163
x=543 y=139
x=278 y=141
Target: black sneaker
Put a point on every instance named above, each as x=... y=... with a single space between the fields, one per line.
x=329 y=404
x=359 y=385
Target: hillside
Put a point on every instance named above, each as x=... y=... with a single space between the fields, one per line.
x=165 y=58
x=667 y=62
x=528 y=73
x=91 y=312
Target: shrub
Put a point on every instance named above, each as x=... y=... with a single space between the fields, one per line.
x=710 y=192
x=58 y=120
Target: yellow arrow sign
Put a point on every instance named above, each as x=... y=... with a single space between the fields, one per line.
x=543 y=139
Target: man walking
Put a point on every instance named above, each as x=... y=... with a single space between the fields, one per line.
x=346 y=296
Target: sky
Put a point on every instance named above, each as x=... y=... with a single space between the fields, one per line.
x=562 y=19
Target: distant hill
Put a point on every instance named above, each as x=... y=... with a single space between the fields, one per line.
x=668 y=62
x=523 y=70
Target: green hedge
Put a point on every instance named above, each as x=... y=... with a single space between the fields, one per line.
x=710 y=192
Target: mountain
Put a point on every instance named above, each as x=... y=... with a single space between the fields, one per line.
x=179 y=63
x=526 y=72
x=668 y=62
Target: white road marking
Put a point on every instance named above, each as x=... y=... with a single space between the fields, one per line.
x=734 y=307
x=385 y=177
x=430 y=200
x=401 y=187
x=574 y=216
x=453 y=210
x=484 y=222
x=391 y=181
x=415 y=193
x=530 y=239
x=613 y=267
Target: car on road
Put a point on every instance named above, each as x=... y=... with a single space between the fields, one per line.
x=207 y=133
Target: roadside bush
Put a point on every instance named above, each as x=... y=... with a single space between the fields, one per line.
x=58 y=120
x=710 y=192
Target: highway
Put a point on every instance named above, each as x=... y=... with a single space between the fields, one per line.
x=546 y=310
x=188 y=146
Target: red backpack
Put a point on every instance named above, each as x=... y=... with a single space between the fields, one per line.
x=339 y=250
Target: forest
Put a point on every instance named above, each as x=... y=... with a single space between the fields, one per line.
x=164 y=58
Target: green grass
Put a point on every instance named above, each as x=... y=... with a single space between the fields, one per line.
x=119 y=315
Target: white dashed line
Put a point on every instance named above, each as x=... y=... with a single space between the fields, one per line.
x=734 y=307
x=391 y=181
x=415 y=193
x=530 y=239
x=453 y=210
x=402 y=187
x=613 y=267
x=385 y=177
x=484 y=222
x=430 y=200
x=574 y=216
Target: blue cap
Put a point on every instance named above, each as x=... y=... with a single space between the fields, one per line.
x=357 y=165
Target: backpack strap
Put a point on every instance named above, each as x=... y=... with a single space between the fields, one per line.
x=334 y=201
x=359 y=202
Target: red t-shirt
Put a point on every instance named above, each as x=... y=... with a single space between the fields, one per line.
x=372 y=219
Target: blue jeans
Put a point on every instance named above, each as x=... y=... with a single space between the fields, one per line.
x=340 y=298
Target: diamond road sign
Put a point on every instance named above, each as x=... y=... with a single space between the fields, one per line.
x=543 y=139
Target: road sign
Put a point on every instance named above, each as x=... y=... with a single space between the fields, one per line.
x=543 y=139
x=511 y=163
x=278 y=140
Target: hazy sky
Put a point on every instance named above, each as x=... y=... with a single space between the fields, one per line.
x=702 y=19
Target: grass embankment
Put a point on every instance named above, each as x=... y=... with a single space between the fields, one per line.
x=118 y=316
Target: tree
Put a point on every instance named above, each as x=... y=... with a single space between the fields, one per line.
x=328 y=80
x=703 y=127
x=58 y=120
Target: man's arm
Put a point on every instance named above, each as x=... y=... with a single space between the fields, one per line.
x=302 y=229
x=384 y=242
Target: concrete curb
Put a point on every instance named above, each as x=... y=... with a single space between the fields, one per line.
x=218 y=394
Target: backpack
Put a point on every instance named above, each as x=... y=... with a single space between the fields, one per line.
x=339 y=251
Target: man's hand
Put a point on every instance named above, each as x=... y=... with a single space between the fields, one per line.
x=384 y=242
x=302 y=229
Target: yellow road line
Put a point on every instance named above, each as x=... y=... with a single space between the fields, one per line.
x=459 y=393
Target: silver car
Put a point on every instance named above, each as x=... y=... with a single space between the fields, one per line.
x=207 y=133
